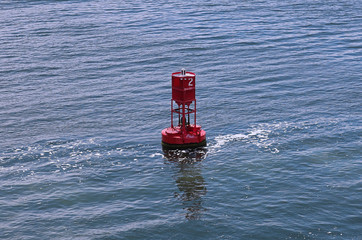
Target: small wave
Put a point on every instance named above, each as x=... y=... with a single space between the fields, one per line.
x=222 y=140
x=261 y=135
x=155 y=154
x=58 y=155
x=268 y=136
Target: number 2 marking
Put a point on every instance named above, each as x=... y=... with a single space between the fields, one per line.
x=190 y=83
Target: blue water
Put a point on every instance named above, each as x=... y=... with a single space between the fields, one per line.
x=85 y=90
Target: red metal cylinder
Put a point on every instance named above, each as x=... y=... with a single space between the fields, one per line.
x=183 y=87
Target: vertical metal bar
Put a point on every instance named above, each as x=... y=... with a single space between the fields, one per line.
x=195 y=114
x=188 y=117
x=171 y=113
x=179 y=114
x=183 y=116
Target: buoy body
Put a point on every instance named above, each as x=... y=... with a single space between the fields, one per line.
x=185 y=133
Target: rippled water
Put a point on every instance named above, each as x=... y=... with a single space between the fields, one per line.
x=85 y=92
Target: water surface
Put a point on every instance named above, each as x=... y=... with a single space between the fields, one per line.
x=85 y=91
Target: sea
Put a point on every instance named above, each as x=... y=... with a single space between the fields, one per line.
x=85 y=90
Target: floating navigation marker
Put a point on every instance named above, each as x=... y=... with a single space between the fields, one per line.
x=184 y=133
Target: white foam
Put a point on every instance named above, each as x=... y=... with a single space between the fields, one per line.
x=222 y=140
x=155 y=154
x=259 y=135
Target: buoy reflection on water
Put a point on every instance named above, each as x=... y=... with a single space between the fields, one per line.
x=189 y=180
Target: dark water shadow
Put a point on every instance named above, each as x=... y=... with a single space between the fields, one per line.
x=189 y=179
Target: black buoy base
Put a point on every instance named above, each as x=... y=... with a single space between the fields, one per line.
x=167 y=146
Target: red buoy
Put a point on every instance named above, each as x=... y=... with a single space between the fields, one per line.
x=185 y=133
